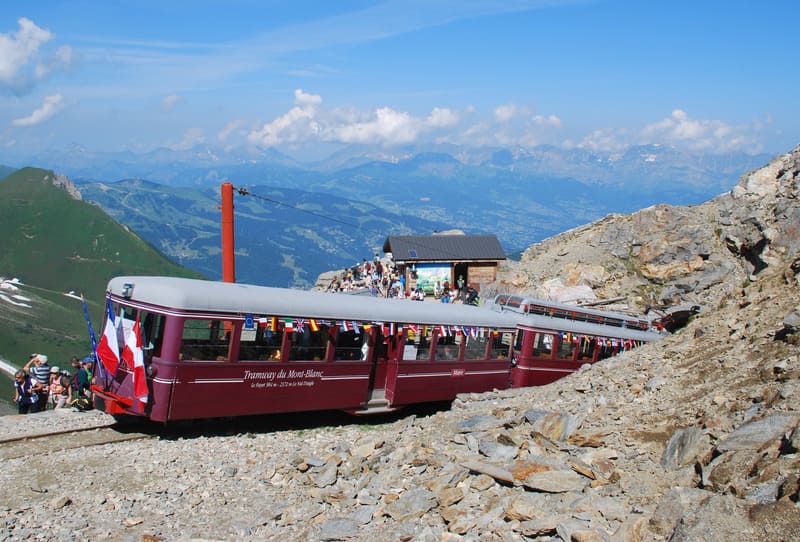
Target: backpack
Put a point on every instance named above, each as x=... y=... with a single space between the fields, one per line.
x=78 y=388
x=81 y=403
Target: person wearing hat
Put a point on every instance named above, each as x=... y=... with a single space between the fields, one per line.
x=38 y=368
x=60 y=392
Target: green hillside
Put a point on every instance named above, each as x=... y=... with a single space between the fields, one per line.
x=55 y=244
x=5 y=170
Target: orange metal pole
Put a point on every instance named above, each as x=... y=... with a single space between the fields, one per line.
x=228 y=266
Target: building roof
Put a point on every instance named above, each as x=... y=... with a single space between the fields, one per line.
x=448 y=248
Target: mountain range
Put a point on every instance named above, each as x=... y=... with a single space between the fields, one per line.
x=307 y=218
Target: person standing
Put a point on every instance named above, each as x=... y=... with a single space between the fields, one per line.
x=80 y=379
x=26 y=393
x=60 y=389
x=38 y=368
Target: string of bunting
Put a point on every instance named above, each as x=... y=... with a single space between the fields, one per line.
x=275 y=324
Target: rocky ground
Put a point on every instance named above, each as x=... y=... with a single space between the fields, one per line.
x=693 y=437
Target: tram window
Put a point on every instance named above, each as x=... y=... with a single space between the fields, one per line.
x=501 y=345
x=151 y=326
x=348 y=344
x=566 y=347
x=476 y=347
x=424 y=342
x=586 y=348
x=543 y=345
x=308 y=344
x=266 y=346
x=152 y=333
x=606 y=350
x=418 y=344
x=447 y=347
x=205 y=339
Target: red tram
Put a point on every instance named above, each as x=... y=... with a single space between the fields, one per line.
x=214 y=349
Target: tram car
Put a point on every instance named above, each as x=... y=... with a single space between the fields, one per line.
x=218 y=349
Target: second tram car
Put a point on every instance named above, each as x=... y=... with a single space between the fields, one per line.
x=215 y=349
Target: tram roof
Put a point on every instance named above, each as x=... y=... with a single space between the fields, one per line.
x=540 y=322
x=233 y=298
x=192 y=295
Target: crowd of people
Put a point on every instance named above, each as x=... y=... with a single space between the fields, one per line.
x=38 y=386
x=383 y=279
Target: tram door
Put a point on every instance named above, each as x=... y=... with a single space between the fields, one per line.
x=379 y=351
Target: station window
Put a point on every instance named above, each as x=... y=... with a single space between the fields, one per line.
x=205 y=339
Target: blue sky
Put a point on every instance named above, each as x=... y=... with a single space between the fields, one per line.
x=306 y=77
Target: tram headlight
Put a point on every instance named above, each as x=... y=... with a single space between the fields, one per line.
x=127 y=290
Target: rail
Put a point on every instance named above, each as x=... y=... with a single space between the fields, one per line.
x=28 y=445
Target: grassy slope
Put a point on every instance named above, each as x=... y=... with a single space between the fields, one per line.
x=55 y=244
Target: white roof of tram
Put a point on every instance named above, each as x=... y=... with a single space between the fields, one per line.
x=233 y=298
x=192 y=295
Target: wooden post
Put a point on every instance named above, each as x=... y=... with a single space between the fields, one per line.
x=228 y=265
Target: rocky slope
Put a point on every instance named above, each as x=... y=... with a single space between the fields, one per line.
x=694 y=437
x=666 y=255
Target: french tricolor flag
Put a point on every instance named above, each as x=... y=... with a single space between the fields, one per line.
x=108 y=348
x=133 y=354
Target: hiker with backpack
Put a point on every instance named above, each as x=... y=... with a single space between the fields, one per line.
x=60 y=388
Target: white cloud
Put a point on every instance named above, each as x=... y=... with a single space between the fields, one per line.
x=52 y=105
x=307 y=122
x=62 y=58
x=442 y=118
x=385 y=126
x=230 y=128
x=304 y=99
x=20 y=61
x=294 y=125
x=550 y=120
x=698 y=134
x=169 y=102
x=605 y=140
x=505 y=113
x=191 y=137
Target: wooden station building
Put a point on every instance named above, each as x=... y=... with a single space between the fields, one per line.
x=427 y=259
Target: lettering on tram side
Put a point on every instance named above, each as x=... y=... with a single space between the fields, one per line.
x=293 y=378
x=458 y=372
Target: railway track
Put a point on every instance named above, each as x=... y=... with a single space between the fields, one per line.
x=22 y=446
